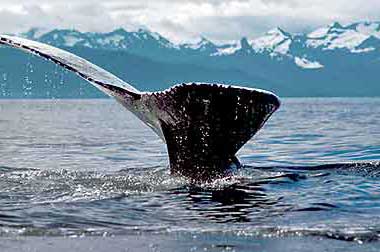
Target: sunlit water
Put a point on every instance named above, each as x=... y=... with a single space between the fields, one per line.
x=89 y=168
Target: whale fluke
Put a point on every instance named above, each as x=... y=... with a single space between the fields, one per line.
x=203 y=124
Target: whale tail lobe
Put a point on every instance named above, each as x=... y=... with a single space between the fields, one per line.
x=203 y=125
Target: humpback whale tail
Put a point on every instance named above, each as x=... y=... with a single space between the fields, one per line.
x=203 y=125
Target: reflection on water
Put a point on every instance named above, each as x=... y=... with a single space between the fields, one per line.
x=89 y=168
x=233 y=203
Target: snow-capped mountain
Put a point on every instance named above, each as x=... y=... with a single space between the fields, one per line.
x=357 y=38
x=335 y=60
x=301 y=49
x=349 y=37
x=203 y=45
x=137 y=42
x=275 y=41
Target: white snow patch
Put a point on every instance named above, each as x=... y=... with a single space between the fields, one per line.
x=271 y=40
x=307 y=64
x=283 y=48
x=349 y=39
x=319 y=33
x=228 y=50
x=199 y=45
x=87 y=44
x=369 y=29
x=155 y=35
x=193 y=46
x=113 y=39
x=173 y=46
x=316 y=42
x=363 y=50
x=146 y=34
x=71 y=40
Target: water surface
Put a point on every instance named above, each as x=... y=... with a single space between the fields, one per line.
x=88 y=168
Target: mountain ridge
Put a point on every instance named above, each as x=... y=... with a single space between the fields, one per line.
x=277 y=43
x=334 y=60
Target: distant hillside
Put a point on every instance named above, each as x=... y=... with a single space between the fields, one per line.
x=331 y=61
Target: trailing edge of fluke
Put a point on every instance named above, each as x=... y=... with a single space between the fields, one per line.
x=203 y=124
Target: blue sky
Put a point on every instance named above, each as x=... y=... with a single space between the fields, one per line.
x=184 y=20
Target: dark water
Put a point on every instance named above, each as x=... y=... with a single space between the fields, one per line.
x=78 y=168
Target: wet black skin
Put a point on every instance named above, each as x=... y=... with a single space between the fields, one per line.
x=210 y=124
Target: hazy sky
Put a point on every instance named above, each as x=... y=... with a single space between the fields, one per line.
x=181 y=20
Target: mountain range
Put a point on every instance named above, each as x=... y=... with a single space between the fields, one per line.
x=335 y=60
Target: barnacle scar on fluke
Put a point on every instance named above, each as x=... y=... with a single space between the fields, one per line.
x=203 y=125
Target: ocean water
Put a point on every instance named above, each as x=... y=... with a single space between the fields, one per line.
x=89 y=172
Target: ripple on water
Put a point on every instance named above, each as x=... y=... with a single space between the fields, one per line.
x=270 y=202
x=76 y=173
